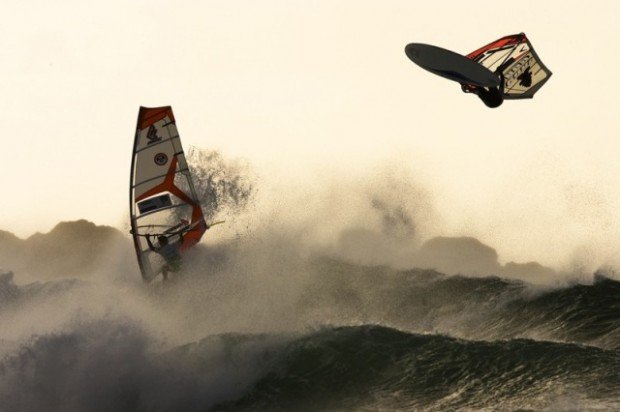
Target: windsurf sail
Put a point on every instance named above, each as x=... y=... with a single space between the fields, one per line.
x=162 y=197
x=515 y=59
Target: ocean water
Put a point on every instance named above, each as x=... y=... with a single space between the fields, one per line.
x=307 y=334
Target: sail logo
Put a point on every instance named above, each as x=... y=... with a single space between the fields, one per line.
x=160 y=159
x=518 y=72
x=152 y=135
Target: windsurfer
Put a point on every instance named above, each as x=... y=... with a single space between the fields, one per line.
x=161 y=189
x=510 y=59
x=491 y=96
x=169 y=251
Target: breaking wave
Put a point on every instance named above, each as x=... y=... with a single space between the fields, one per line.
x=374 y=367
x=473 y=308
x=345 y=337
x=117 y=366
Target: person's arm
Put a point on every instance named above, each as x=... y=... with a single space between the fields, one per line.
x=151 y=246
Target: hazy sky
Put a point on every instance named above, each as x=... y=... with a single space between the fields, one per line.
x=303 y=88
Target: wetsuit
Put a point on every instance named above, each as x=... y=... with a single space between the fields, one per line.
x=170 y=253
x=492 y=97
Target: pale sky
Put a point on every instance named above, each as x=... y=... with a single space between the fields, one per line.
x=300 y=87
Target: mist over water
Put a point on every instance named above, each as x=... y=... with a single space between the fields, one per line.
x=339 y=298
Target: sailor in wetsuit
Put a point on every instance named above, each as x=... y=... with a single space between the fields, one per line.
x=492 y=96
x=169 y=251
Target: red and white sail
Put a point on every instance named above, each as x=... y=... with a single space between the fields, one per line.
x=162 y=195
x=515 y=59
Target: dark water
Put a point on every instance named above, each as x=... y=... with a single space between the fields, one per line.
x=474 y=308
x=381 y=368
x=393 y=340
